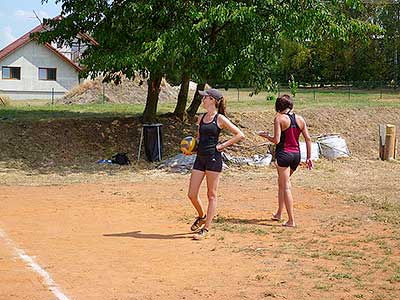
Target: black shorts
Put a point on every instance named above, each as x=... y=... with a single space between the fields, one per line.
x=288 y=159
x=208 y=162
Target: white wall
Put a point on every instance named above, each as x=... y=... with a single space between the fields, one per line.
x=29 y=58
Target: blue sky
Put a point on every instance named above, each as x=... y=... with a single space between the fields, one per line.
x=17 y=17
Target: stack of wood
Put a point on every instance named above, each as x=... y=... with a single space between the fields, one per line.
x=4 y=100
x=387 y=142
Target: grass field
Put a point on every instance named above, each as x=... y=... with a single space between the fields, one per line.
x=237 y=101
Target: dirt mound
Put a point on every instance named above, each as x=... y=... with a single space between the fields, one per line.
x=85 y=139
x=129 y=91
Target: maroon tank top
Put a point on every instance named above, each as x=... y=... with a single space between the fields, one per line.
x=289 y=141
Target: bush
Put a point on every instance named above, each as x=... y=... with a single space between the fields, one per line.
x=293 y=85
x=5 y=100
x=270 y=98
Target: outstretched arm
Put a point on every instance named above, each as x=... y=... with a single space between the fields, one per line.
x=238 y=135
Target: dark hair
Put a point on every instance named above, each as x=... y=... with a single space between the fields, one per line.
x=221 y=106
x=283 y=102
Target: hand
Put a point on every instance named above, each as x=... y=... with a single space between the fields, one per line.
x=220 y=147
x=262 y=133
x=309 y=164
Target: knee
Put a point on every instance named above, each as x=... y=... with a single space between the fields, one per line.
x=212 y=197
x=285 y=185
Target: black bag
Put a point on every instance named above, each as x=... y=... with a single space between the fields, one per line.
x=120 y=159
x=153 y=143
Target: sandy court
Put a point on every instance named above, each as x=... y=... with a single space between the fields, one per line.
x=115 y=240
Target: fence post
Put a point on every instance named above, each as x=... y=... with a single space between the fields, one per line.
x=390 y=142
x=314 y=91
x=52 y=96
x=382 y=133
x=387 y=142
x=349 y=91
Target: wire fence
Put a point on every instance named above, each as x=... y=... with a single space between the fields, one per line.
x=366 y=90
x=317 y=91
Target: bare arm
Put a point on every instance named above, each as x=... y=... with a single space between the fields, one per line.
x=238 y=135
x=277 y=132
x=307 y=139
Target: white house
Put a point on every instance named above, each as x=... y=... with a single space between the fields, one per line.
x=29 y=70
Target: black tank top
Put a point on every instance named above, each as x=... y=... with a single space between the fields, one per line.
x=209 y=134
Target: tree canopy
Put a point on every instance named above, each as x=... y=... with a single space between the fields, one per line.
x=209 y=41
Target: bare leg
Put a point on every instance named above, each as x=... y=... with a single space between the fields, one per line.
x=281 y=202
x=285 y=186
x=194 y=186
x=212 y=185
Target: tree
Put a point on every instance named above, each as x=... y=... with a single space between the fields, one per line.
x=248 y=39
x=132 y=36
x=388 y=16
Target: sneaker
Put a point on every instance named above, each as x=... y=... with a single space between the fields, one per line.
x=201 y=234
x=198 y=223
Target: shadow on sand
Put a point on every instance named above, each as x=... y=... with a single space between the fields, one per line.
x=152 y=236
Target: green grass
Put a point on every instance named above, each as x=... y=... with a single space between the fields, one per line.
x=344 y=253
x=226 y=225
x=341 y=276
x=396 y=276
x=37 y=112
x=322 y=287
x=385 y=210
x=321 y=98
x=42 y=109
x=359 y=296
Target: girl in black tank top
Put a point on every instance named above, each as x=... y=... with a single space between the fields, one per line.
x=209 y=134
x=209 y=159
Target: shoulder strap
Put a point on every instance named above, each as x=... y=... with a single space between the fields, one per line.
x=293 y=121
x=215 y=117
x=201 y=120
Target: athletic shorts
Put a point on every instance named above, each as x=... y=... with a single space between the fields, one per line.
x=288 y=159
x=208 y=162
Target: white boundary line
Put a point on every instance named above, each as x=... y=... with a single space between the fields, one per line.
x=38 y=269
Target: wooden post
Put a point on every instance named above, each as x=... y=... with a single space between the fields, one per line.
x=390 y=142
x=382 y=137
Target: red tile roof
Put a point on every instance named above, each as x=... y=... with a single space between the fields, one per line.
x=25 y=39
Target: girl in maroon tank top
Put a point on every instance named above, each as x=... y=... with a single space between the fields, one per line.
x=287 y=129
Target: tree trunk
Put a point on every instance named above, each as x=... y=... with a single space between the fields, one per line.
x=150 y=111
x=194 y=106
x=182 y=97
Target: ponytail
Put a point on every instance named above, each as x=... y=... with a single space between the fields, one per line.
x=221 y=106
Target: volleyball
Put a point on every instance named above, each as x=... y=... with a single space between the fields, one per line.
x=188 y=145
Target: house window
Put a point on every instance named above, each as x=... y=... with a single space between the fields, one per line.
x=47 y=73
x=11 y=73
